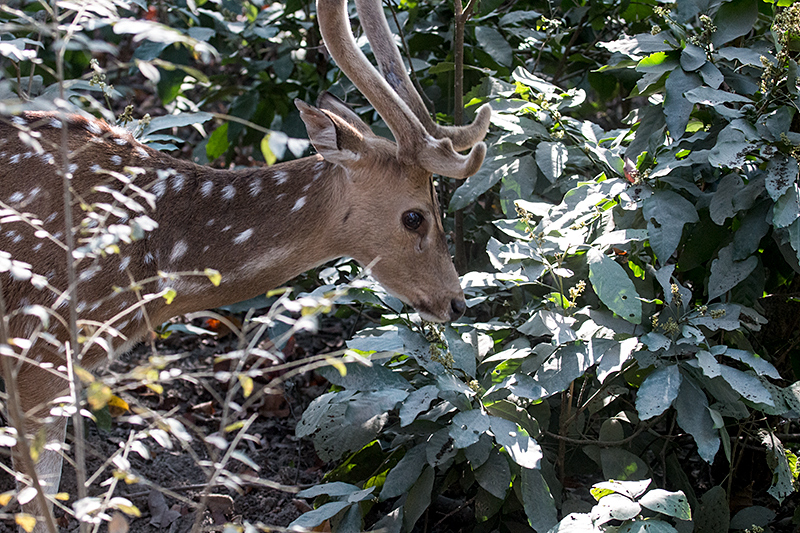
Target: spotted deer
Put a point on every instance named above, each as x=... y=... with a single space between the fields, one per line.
x=361 y=196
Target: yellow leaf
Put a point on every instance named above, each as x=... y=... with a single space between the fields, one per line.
x=266 y=151
x=6 y=497
x=37 y=445
x=278 y=292
x=25 y=521
x=84 y=375
x=247 y=384
x=170 y=295
x=130 y=510
x=117 y=405
x=213 y=276
x=234 y=426
x=338 y=365
x=155 y=387
x=62 y=496
x=98 y=394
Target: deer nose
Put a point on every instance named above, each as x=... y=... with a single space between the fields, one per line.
x=457 y=308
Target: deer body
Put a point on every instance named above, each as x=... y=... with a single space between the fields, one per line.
x=361 y=196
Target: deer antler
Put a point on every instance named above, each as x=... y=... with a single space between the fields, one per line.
x=419 y=140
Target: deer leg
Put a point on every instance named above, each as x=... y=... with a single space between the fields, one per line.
x=30 y=392
x=47 y=469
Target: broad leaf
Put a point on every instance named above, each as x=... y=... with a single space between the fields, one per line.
x=694 y=417
x=672 y=504
x=727 y=273
x=658 y=391
x=537 y=500
x=667 y=213
x=613 y=286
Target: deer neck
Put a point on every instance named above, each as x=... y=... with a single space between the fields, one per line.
x=258 y=227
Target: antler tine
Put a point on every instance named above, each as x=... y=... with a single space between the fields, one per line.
x=414 y=144
x=393 y=70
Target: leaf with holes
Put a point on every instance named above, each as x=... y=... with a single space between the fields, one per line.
x=613 y=286
x=672 y=504
x=666 y=213
x=658 y=391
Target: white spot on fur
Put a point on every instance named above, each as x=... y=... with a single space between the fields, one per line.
x=124 y=263
x=95 y=306
x=226 y=228
x=95 y=168
x=178 y=251
x=81 y=307
x=308 y=186
x=177 y=182
x=51 y=218
x=148 y=257
x=280 y=177
x=73 y=167
x=34 y=192
x=299 y=203
x=14 y=159
x=37 y=247
x=28 y=155
x=142 y=152
x=228 y=192
x=280 y=196
x=48 y=158
x=89 y=273
x=19 y=121
x=316 y=176
x=206 y=187
x=159 y=188
x=16 y=197
x=55 y=123
x=205 y=248
x=210 y=222
x=319 y=166
x=120 y=141
x=93 y=128
x=255 y=187
x=115 y=160
x=243 y=236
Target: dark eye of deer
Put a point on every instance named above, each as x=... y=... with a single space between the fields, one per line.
x=412 y=220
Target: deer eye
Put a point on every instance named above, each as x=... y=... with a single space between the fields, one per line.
x=412 y=220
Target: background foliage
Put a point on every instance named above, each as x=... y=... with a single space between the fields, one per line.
x=633 y=239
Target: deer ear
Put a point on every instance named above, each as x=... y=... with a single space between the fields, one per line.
x=334 y=137
x=329 y=102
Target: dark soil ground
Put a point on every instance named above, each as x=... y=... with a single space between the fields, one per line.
x=280 y=457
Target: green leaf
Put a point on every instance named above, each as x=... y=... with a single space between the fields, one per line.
x=615 y=507
x=676 y=107
x=336 y=488
x=721 y=207
x=733 y=20
x=218 y=142
x=692 y=57
x=494 y=475
x=551 y=158
x=672 y=504
x=177 y=121
x=493 y=170
x=713 y=514
x=525 y=451
x=787 y=208
x=781 y=173
x=314 y=518
x=405 y=473
x=613 y=286
x=417 y=402
x=647 y=526
x=658 y=391
x=727 y=273
x=537 y=500
x=493 y=42
x=468 y=426
x=622 y=464
x=418 y=499
x=667 y=213
x=693 y=416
